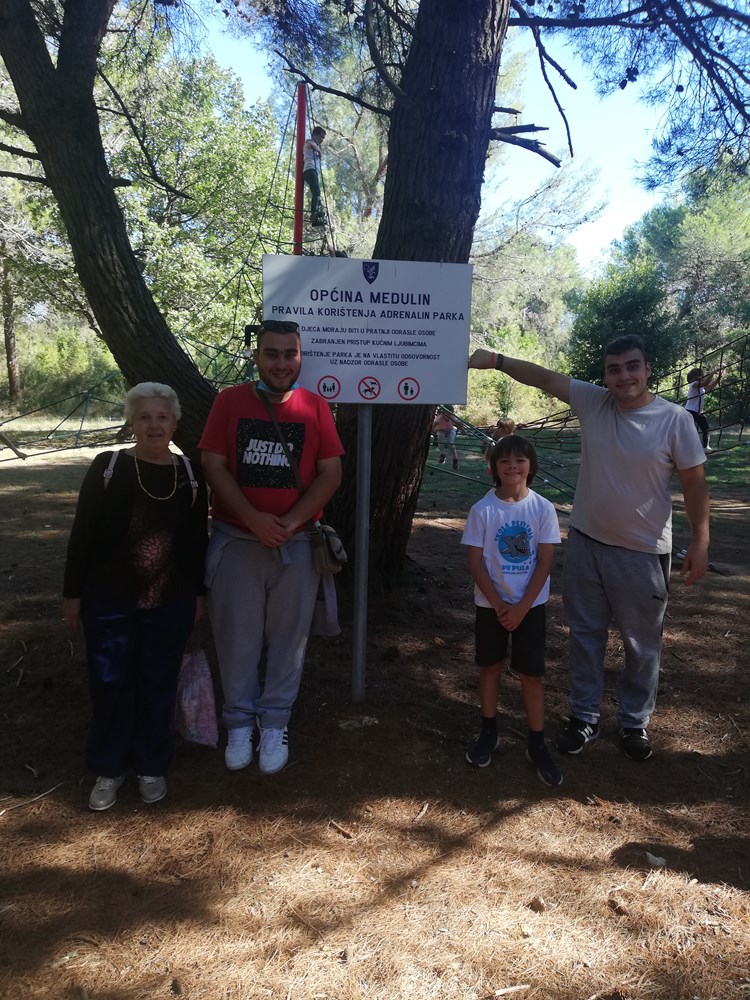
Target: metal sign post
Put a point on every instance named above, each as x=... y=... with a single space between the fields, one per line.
x=361 y=552
x=373 y=332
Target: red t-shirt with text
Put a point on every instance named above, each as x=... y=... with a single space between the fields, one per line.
x=240 y=428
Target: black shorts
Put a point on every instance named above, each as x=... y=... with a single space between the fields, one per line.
x=527 y=643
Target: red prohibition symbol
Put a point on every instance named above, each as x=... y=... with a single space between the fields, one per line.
x=369 y=387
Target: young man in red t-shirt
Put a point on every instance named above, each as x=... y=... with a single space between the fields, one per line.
x=260 y=571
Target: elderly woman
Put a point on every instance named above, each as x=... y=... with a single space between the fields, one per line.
x=134 y=579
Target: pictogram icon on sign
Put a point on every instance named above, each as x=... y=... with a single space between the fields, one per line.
x=369 y=387
x=329 y=387
x=408 y=388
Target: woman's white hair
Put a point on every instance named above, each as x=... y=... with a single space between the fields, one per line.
x=151 y=390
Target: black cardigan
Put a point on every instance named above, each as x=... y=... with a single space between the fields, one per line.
x=113 y=524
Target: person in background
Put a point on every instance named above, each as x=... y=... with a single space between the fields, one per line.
x=698 y=385
x=617 y=554
x=445 y=427
x=311 y=165
x=502 y=428
x=510 y=535
x=261 y=577
x=134 y=579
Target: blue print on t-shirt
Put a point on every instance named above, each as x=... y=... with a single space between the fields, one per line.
x=514 y=541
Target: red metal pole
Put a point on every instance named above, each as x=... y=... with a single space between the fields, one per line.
x=299 y=184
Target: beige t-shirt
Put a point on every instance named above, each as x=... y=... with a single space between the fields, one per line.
x=628 y=458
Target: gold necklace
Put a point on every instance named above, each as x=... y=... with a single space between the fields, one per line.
x=140 y=483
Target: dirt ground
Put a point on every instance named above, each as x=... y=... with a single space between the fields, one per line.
x=379 y=864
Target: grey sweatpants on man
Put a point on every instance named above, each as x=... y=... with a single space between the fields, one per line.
x=260 y=598
x=602 y=583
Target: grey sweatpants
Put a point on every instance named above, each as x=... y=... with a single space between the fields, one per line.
x=260 y=597
x=602 y=583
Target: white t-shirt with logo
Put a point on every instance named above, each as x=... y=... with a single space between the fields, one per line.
x=509 y=535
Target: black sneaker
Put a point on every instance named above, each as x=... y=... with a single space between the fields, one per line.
x=455 y=465
x=441 y=460
x=635 y=743
x=545 y=765
x=576 y=735
x=480 y=751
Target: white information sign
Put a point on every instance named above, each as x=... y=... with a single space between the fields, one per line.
x=375 y=331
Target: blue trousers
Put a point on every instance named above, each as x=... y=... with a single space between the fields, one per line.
x=602 y=583
x=134 y=657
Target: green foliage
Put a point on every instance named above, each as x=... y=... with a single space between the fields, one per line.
x=520 y=307
x=630 y=299
x=196 y=230
x=62 y=361
x=196 y=190
x=701 y=252
x=491 y=397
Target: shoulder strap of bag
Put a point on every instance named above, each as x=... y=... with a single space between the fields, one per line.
x=109 y=471
x=287 y=451
x=191 y=476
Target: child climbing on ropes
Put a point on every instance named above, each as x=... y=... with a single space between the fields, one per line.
x=510 y=536
x=445 y=427
x=698 y=385
x=311 y=162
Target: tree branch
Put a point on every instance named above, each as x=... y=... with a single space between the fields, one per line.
x=505 y=111
x=152 y=169
x=544 y=57
x=377 y=59
x=12 y=118
x=17 y=151
x=727 y=13
x=393 y=16
x=684 y=31
x=625 y=19
x=517 y=129
x=330 y=90
x=531 y=144
x=25 y=177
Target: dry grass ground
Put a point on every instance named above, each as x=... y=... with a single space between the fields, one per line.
x=379 y=864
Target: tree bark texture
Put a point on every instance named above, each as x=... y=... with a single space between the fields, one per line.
x=438 y=142
x=9 y=335
x=60 y=118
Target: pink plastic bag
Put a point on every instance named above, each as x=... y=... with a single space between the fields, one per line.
x=195 y=707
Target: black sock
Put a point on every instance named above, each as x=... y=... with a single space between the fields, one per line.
x=536 y=738
x=489 y=725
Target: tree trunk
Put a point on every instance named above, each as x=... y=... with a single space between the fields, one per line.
x=438 y=142
x=60 y=118
x=9 y=333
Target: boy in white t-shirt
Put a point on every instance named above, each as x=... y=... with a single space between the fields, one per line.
x=510 y=535
x=310 y=164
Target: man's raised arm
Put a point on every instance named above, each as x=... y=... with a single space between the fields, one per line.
x=554 y=383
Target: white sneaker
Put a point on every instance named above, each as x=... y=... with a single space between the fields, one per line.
x=274 y=750
x=104 y=793
x=152 y=787
x=239 y=751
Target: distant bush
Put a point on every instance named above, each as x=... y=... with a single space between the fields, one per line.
x=60 y=361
